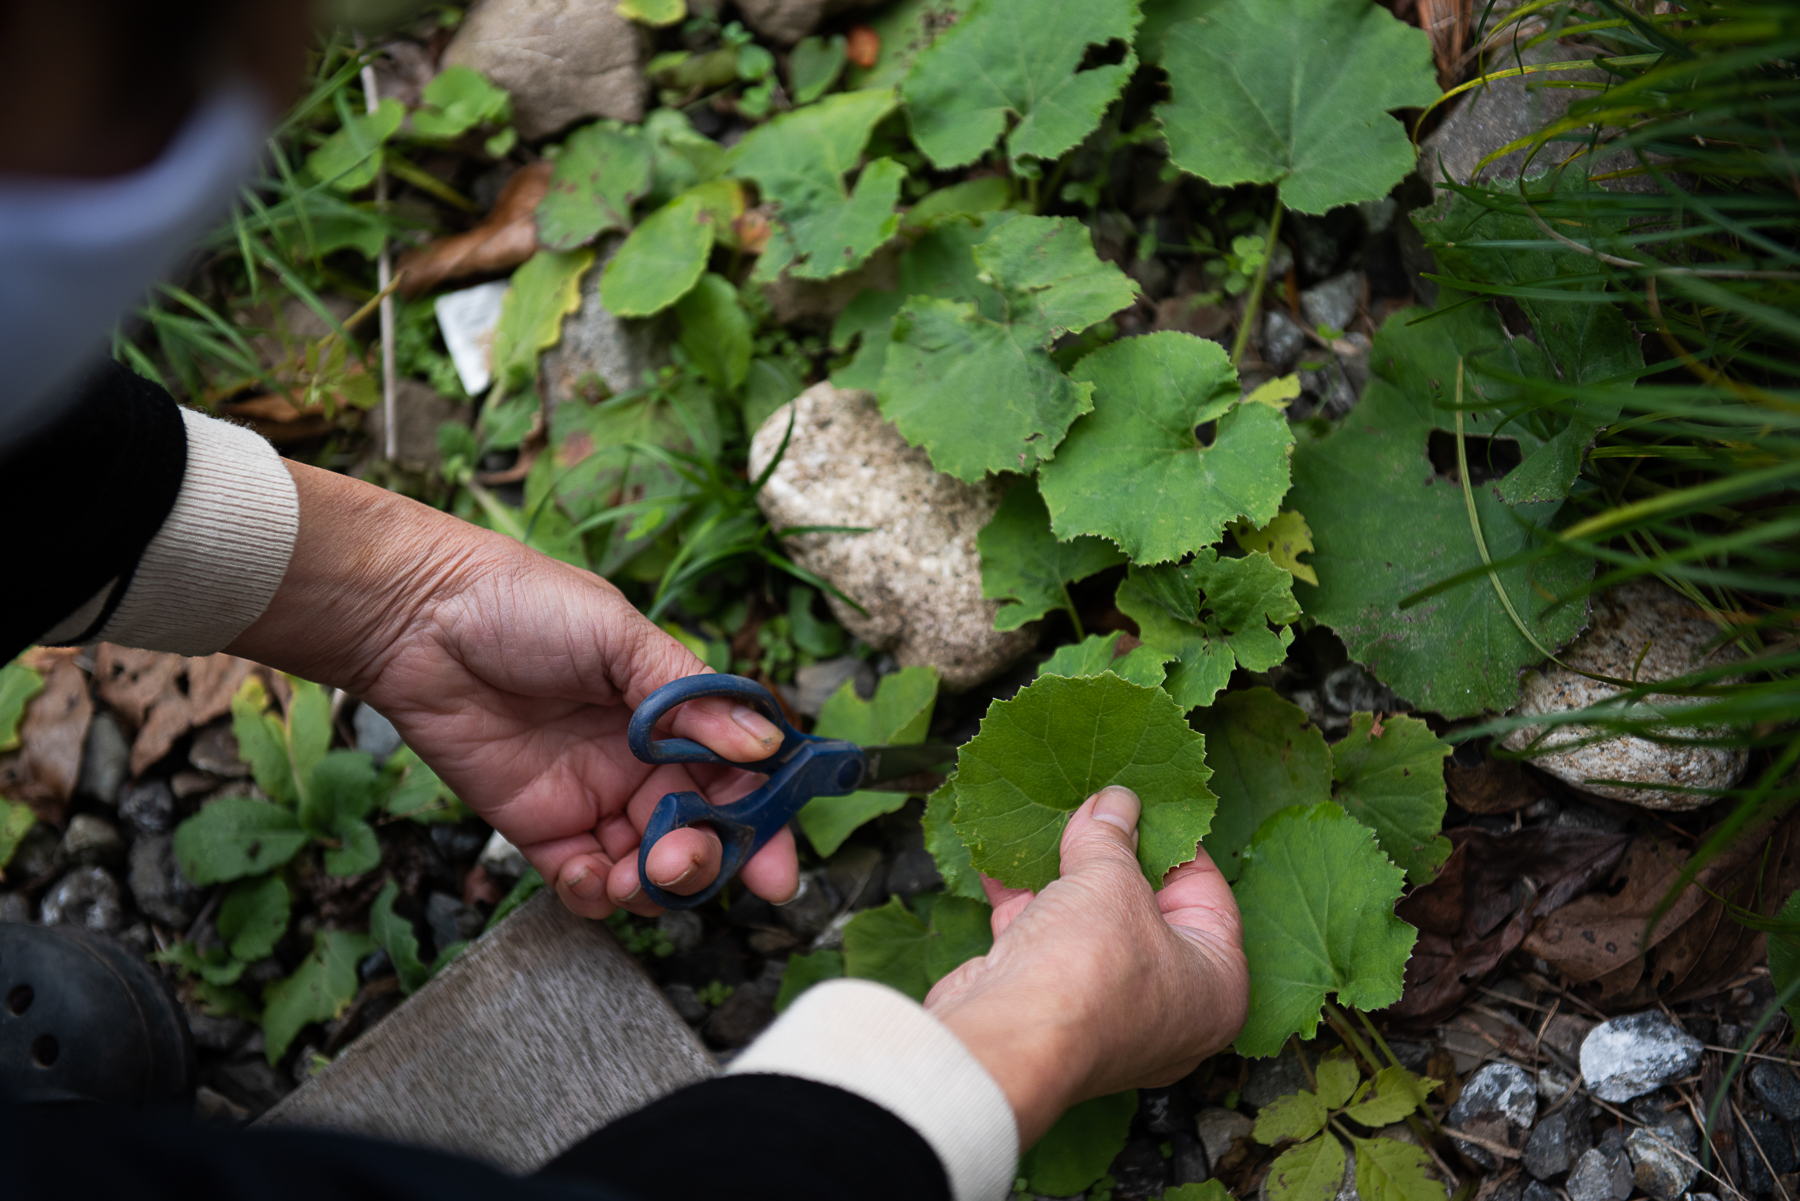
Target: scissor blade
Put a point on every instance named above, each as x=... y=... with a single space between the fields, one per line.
x=890 y=763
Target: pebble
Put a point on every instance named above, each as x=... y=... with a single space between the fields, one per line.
x=1499 y=1102
x=1139 y=1171
x=36 y=854
x=250 y=1081
x=917 y=571
x=15 y=907
x=1536 y=1191
x=811 y=908
x=210 y=1106
x=1282 y=341
x=375 y=734
x=215 y=751
x=86 y=897
x=1644 y=631
x=570 y=61
x=683 y=928
x=1659 y=1164
x=1629 y=1056
x=1333 y=303
x=1771 y=1140
x=1558 y=1141
x=596 y=345
x=858 y=875
x=746 y=1012
x=815 y=683
x=1272 y=1078
x=105 y=761
x=1564 y=1033
x=1778 y=1090
x=449 y=920
x=787 y=21
x=213 y=1033
x=91 y=842
x=1218 y=1129
x=686 y=1002
x=1601 y=1176
x=375 y=965
x=147 y=808
x=502 y=859
x=157 y=886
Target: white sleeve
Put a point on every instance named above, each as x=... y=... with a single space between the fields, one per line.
x=216 y=562
x=868 y=1039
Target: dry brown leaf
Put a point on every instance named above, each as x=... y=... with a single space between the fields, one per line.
x=1599 y=940
x=501 y=242
x=165 y=696
x=278 y=419
x=1471 y=917
x=51 y=736
x=1493 y=786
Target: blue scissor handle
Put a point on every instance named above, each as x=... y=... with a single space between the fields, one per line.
x=804 y=767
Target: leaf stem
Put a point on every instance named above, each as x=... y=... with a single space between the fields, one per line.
x=1418 y=1097
x=1242 y=340
x=1074 y=617
x=1300 y=1054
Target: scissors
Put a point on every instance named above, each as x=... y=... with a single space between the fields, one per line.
x=805 y=766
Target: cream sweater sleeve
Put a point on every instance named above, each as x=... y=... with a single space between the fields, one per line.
x=216 y=562
x=867 y=1039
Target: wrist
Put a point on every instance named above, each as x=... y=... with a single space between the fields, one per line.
x=1032 y=1047
x=367 y=564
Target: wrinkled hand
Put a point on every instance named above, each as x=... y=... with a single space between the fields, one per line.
x=1098 y=983
x=514 y=676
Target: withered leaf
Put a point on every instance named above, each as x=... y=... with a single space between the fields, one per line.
x=501 y=242
x=165 y=696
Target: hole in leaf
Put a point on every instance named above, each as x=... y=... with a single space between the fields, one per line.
x=44 y=1050
x=1489 y=458
x=19 y=999
x=1111 y=54
x=1208 y=433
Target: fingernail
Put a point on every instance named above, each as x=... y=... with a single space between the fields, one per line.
x=760 y=727
x=1118 y=806
x=678 y=879
x=585 y=884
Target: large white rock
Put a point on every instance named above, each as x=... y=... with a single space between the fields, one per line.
x=1640 y=631
x=916 y=571
x=563 y=61
x=1629 y=1056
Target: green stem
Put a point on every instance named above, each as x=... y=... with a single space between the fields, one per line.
x=1256 y=289
x=1305 y=1068
x=1388 y=1051
x=1341 y=1024
x=1074 y=617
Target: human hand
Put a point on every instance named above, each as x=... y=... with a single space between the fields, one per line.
x=514 y=676
x=1098 y=983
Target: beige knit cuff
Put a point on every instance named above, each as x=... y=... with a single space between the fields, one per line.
x=219 y=557
x=867 y=1039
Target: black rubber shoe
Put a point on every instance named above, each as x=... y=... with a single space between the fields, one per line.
x=84 y=1019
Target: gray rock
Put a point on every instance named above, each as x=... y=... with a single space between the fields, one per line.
x=1282 y=341
x=1218 y=1129
x=1558 y=1141
x=1601 y=1176
x=1564 y=1033
x=602 y=355
x=91 y=842
x=418 y=411
x=687 y=1003
x=215 y=751
x=375 y=965
x=210 y=1106
x=683 y=928
x=450 y=920
x=148 y=808
x=1335 y=302
x=1552 y=1084
x=86 y=897
x=105 y=761
x=375 y=734
x=811 y=908
x=1644 y=631
x=1629 y=1056
x=1499 y=1103
x=562 y=60
x=1534 y=1191
x=917 y=571
x=1659 y=1164
x=15 y=907
x=35 y=856
x=251 y=1082
x=815 y=683
x=1777 y=1088
x=217 y=1033
x=912 y=869
x=161 y=892
x=502 y=859
x=1272 y=1078
x=748 y=1011
x=858 y=875
x=787 y=21
x=1670 y=1117
x=1765 y=1147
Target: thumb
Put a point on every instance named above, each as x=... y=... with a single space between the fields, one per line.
x=1103 y=832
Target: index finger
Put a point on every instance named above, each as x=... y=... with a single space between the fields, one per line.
x=730 y=729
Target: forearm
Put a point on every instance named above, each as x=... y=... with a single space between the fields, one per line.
x=367 y=565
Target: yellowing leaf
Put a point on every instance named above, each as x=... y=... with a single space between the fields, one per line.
x=1337 y=1077
x=1310 y=1171
x=655 y=13
x=1396 y=1093
x=1277 y=393
x=544 y=291
x=1284 y=540
x=1390 y=1170
x=18 y=685
x=1296 y=1116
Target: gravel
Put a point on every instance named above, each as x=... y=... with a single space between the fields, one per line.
x=1629 y=1056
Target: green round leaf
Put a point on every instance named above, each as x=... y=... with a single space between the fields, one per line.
x=1081 y=1146
x=1265 y=757
x=661 y=260
x=234 y=837
x=254 y=916
x=1022 y=561
x=1317 y=898
x=1132 y=470
x=602 y=170
x=1056 y=743
x=1254 y=103
x=1394 y=784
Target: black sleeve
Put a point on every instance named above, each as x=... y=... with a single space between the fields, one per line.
x=96 y=482
x=54 y=1153
x=760 y=1138
x=749 y=1138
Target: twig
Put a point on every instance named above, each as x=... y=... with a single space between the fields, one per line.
x=384 y=273
x=1487 y=1144
x=1750 y=1054
x=1629 y=1120
x=1254 y=301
